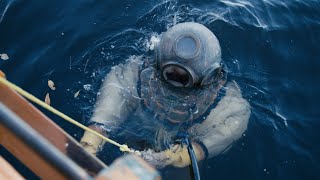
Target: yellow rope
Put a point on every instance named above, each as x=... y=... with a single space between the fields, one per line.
x=123 y=147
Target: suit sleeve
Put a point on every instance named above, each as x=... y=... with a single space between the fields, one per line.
x=225 y=124
x=119 y=94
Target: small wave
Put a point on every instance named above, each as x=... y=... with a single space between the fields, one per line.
x=4 y=8
x=267 y=14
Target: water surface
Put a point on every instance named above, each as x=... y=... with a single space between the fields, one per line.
x=270 y=47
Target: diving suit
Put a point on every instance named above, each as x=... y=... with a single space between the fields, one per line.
x=182 y=90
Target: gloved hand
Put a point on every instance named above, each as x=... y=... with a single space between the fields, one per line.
x=92 y=142
x=177 y=156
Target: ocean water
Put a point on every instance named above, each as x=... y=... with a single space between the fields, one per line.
x=270 y=47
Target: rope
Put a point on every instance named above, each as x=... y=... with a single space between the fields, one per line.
x=122 y=147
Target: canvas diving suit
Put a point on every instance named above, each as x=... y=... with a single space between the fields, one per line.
x=183 y=90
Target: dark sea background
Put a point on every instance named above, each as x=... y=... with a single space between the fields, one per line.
x=270 y=47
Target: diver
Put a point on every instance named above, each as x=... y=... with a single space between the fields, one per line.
x=182 y=91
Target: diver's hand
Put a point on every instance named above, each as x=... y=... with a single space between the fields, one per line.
x=91 y=142
x=156 y=159
x=177 y=156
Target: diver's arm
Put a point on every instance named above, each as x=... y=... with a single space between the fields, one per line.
x=118 y=98
x=225 y=124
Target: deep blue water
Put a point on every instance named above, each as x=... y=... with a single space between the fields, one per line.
x=271 y=48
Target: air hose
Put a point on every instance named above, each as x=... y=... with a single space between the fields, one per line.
x=194 y=163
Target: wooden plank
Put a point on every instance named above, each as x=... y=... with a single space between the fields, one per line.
x=7 y=171
x=26 y=155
